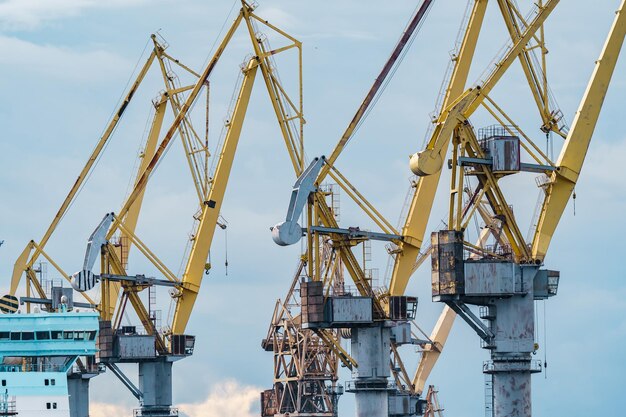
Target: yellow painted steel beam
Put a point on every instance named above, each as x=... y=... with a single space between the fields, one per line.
x=431 y=354
x=299 y=110
x=574 y=150
x=180 y=64
x=430 y=161
x=518 y=47
x=275 y=90
x=143 y=179
x=194 y=271
x=32 y=279
x=362 y=202
x=534 y=76
x=421 y=204
x=23 y=264
x=132 y=216
x=60 y=271
x=148 y=254
x=509 y=125
x=194 y=169
x=20 y=266
x=402 y=374
x=495 y=196
x=335 y=346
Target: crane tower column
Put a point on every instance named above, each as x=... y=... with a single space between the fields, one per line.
x=370 y=349
x=155 y=382
x=511 y=365
x=505 y=292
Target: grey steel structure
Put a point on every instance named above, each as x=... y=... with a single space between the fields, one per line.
x=506 y=292
x=155 y=368
x=371 y=346
x=78 y=386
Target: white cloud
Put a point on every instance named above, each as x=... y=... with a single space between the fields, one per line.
x=29 y=14
x=228 y=398
x=107 y=410
x=59 y=62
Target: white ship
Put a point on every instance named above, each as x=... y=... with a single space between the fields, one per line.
x=39 y=372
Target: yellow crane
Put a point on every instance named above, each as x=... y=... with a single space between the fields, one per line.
x=457 y=104
x=425 y=188
x=479 y=155
x=406 y=243
x=330 y=250
x=116 y=286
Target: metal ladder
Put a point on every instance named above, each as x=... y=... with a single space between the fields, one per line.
x=488 y=395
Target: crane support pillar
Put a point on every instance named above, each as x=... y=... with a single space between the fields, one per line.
x=511 y=365
x=370 y=348
x=155 y=382
x=78 y=389
x=506 y=292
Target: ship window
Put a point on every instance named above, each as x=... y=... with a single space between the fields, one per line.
x=56 y=334
x=4 y=335
x=46 y=382
x=68 y=335
x=48 y=406
x=53 y=382
x=43 y=335
x=4 y=382
x=16 y=335
x=28 y=336
x=79 y=335
x=54 y=405
x=92 y=335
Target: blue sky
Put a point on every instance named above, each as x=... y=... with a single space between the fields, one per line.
x=64 y=65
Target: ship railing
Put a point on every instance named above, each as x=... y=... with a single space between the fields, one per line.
x=33 y=368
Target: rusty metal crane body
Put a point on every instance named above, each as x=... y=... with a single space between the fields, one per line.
x=381 y=383
x=487 y=200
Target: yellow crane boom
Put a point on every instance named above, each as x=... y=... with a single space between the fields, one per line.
x=563 y=177
x=195 y=268
x=574 y=150
x=211 y=191
x=25 y=261
x=421 y=204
